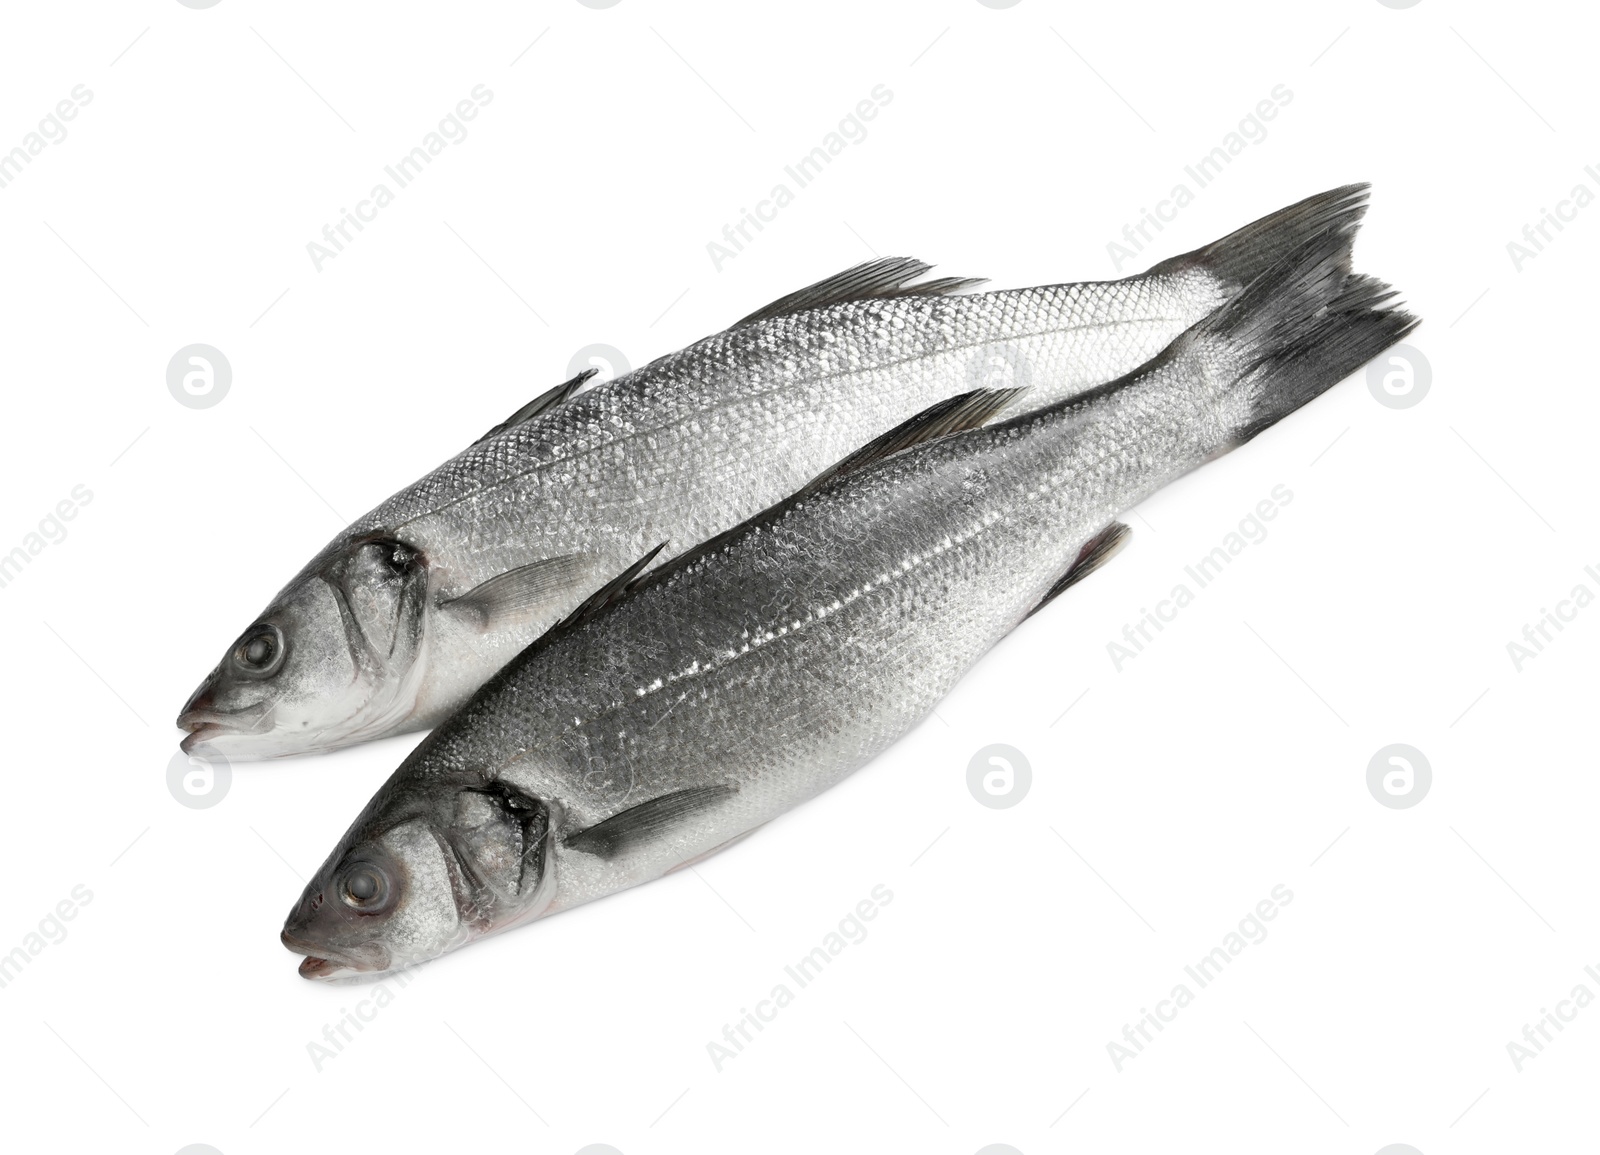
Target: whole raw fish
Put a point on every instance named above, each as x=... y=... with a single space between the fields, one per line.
x=411 y=608
x=677 y=712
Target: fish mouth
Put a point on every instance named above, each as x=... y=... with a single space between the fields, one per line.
x=200 y=732
x=322 y=970
x=205 y=724
x=322 y=965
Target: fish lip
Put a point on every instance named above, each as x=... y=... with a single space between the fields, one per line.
x=321 y=964
x=205 y=724
x=323 y=970
x=194 y=719
x=200 y=734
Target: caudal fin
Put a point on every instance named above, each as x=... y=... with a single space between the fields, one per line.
x=1296 y=331
x=1246 y=254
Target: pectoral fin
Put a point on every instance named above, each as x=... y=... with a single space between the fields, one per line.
x=518 y=595
x=646 y=822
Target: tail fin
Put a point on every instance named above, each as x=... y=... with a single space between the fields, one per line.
x=1296 y=331
x=1244 y=255
x=1362 y=292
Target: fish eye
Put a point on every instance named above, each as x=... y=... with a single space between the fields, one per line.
x=260 y=651
x=365 y=887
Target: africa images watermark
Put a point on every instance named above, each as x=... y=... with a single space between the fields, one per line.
x=52 y=931
x=851 y=931
x=1536 y=236
x=52 y=130
x=1251 y=931
x=1251 y=531
x=50 y=531
x=1252 y=129
x=851 y=130
x=1536 y=1035
x=1536 y=636
x=451 y=130
x=338 y=1034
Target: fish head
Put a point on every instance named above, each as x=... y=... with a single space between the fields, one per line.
x=418 y=879
x=334 y=659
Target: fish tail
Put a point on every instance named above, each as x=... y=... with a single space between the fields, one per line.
x=1245 y=254
x=1299 y=328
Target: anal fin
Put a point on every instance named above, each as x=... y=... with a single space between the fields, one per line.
x=1098 y=550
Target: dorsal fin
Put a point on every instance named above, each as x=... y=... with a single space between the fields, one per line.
x=1098 y=550
x=549 y=399
x=883 y=277
x=952 y=415
x=607 y=593
x=625 y=582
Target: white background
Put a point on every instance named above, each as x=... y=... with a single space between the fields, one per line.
x=1228 y=758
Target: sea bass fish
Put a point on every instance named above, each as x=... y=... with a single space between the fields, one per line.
x=411 y=608
x=721 y=690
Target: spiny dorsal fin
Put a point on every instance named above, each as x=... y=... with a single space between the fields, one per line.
x=1095 y=553
x=508 y=598
x=607 y=593
x=883 y=277
x=549 y=399
x=952 y=415
x=644 y=823
x=619 y=586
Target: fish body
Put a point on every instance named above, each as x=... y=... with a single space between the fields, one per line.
x=411 y=608
x=737 y=682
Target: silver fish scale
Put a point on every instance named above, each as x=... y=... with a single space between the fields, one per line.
x=699 y=440
x=798 y=651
